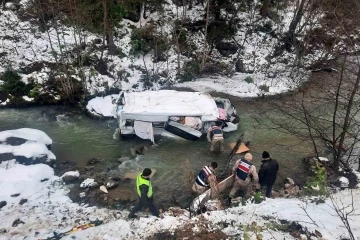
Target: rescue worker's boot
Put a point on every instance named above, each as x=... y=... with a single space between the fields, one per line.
x=228 y=201
x=132 y=215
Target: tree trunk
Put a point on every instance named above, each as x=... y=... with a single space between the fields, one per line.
x=203 y=61
x=347 y=121
x=265 y=8
x=107 y=29
x=296 y=19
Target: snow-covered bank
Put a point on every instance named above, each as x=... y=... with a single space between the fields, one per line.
x=246 y=62
x=30 y=134
x=48 y=209
x=239 y=86
x=101 y=106
x=26 y=145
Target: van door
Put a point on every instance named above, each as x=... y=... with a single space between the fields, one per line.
x=182 y=130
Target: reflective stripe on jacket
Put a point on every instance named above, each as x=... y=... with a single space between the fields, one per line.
x=203 y=175
x=141 y=181
x=216 y=130
x=243 y=169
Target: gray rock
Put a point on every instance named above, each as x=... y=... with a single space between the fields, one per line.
x=87 y=183
x=122 y=159
x=17 y=222
x=70 y=178
x=2 y=204
x=94 y=185
x=111 y=184
x=3 y=231
x=343 y=182
x=290 y=181
x=12 y=6
x=271 y=75
x=15 y=195
x=22 y=201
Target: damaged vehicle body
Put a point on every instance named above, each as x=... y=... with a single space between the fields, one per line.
x=184 y=114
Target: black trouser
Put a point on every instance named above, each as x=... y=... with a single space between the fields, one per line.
x=268 y=189
x=154 y=211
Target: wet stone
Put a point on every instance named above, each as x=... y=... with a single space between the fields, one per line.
x=17 y=222
x=2 y=204
x=93 y=161
x=22 y=201
x=111 y=184
x=70 y=179
x=123 y=159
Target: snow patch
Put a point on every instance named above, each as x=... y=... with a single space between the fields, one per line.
x=28 y=134
x=87 y=183
x=71 y=173
x=101 y=106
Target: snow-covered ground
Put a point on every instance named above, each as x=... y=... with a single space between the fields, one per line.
x=30 y=134
x=25 y=46
x=48 y=209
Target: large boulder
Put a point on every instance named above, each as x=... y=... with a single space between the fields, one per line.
x=27 y=146
x=70 y=176
x=101 y=107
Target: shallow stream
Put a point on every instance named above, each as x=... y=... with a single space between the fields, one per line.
x=77 y=138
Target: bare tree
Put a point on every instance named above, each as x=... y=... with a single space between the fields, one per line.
x=344 y=211
x=109 y=36
x=205 y=51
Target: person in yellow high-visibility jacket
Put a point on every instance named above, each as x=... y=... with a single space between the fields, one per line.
x=145 y=193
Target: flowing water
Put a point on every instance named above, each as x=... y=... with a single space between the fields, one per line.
x=77 y=138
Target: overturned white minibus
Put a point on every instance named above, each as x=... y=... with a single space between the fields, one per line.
x=185 y=114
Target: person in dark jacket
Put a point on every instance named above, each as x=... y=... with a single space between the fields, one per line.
x=145 y=193
x=267 y=172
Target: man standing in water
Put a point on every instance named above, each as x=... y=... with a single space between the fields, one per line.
x=244 y=172
x=145 y=193
x=267 y=172
x=206 y=179
x=215 y=136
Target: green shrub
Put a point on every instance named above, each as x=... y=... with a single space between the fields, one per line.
x=189 y=72
x=13 y=84
x=148 y=80
x=35 y=91
x=266 y=28
x=249 y=79
x=318 y=180
x=258 y=198
x=264 y=88
x=145 y=39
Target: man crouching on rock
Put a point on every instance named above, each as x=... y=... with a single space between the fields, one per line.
x=145 y=193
